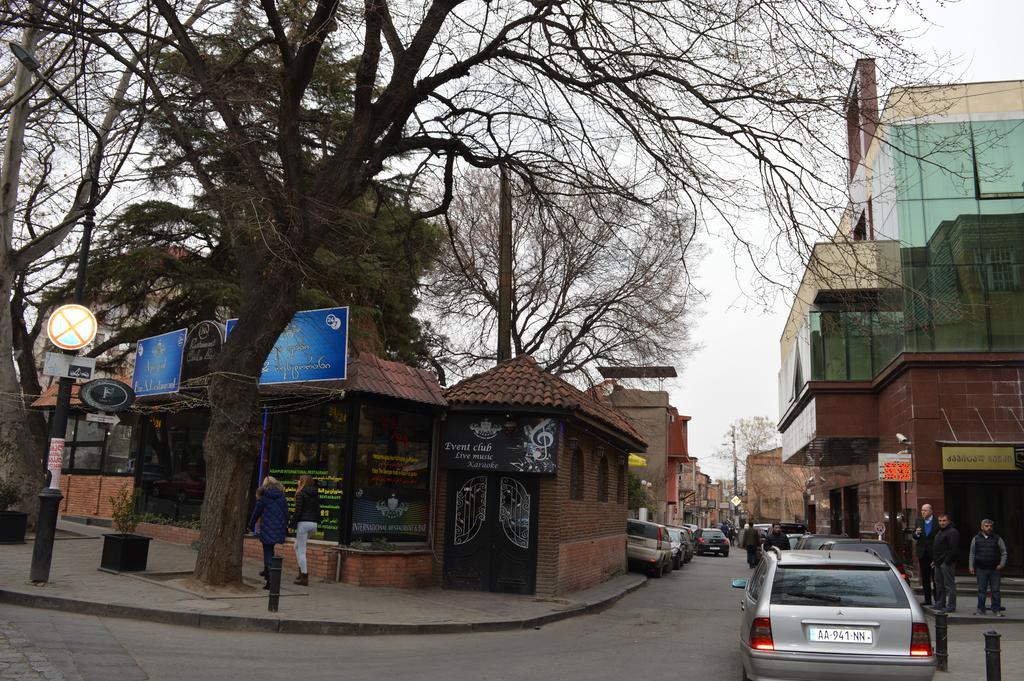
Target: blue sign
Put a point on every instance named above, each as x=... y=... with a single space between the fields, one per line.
x=158 y=363
x=313 y=347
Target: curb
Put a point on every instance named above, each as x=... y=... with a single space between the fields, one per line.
x=987 y=620
x=283 y=625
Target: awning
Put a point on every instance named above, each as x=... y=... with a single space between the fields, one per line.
x=637 y=460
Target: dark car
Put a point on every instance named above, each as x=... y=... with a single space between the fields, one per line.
x=180 y=486
x=710 y=540
x=871 y=545
x=814 y=541
x=793 y=528
x=682 y=548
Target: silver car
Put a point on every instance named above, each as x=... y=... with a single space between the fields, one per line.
x=811 y=615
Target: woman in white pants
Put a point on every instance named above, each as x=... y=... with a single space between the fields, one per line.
x=304 y=520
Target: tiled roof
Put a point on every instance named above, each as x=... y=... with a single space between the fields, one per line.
x=366 y=374
x=371 y=374
x=521 y=382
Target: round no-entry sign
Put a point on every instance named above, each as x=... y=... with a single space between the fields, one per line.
x=71 y=327
x=880 y=527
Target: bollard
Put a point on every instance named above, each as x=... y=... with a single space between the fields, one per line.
x=941 y=648
x=993 y=667
x=275 y=583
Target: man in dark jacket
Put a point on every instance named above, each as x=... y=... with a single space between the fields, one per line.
x=925 y=529
x=987 y=560
x=751 y=541
x=777 y=538
x=944 y=549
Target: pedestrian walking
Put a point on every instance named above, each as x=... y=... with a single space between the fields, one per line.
x=303 y=521
x=944 y=549
x=751 y=541
x=988 y=558
x=777 y=538
x=271 y=513
x=925 y=529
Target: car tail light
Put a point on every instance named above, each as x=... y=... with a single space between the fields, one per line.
x=761 y=634
x=726 y=541
x=920 y=640
x=661 y=538
x=700 y=540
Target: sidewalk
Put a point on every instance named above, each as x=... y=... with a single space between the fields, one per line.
x=166 y=594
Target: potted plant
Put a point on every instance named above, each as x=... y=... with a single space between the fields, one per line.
x=12 y=523
x=125 y=551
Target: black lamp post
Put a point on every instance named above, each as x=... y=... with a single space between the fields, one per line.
x=50 y=498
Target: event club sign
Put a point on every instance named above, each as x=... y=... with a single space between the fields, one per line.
x=494 y=442
x=313 y=347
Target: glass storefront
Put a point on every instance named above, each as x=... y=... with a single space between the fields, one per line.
x=377 y=454
x=97 y=447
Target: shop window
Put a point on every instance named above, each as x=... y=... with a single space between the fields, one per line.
x=576 y=476
x=96 y=447
x=313 y=441
x=620 y=484
x=391 y=486
x=173 y=470
x=602 y=479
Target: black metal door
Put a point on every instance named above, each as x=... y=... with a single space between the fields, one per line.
x=514 y=538
x=491 y=536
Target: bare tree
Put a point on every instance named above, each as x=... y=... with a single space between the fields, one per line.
x=43 y=191
x=596 y=279
x=726 y=104
x=753 y=435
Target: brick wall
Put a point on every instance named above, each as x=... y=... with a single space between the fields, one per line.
x=89 y=495
x=585 y=563
x=410 y=568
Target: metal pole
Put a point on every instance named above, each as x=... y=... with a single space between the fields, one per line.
x=993 y=666
x=941 y=642
x=504 y=268
x=275 y=583
x=50 y=498
x=735 y=475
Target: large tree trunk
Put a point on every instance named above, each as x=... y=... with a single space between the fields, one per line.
x=231 y=446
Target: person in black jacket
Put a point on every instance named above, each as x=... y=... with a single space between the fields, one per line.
x=304 y=520
x=777 y=538
x=944 y=550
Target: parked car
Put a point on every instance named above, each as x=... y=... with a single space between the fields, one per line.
x=841 y=616
x=710 y=540
x=180 y=486
x=689 y=545
x=880 y=547
x=648 y=547
x=678 y=547
x=814 y=541
x=798 y=529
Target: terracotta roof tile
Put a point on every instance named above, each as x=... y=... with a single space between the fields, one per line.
x=520 y=382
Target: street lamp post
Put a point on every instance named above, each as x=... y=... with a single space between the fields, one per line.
x=50 y=497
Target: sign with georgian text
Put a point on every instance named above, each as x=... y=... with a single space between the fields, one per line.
x=496 y=442
x=313 y=347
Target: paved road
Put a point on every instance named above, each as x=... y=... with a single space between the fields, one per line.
x=680 y=627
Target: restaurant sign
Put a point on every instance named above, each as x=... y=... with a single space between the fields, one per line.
x=494 y=442
x=202 y=346
x=158 y=363
x=313 y=347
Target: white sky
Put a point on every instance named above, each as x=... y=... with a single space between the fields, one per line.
x=735 y=374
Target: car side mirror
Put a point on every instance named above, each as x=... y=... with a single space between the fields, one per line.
x=739 y=584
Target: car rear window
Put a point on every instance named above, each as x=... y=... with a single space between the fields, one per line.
x=647 y=530
x=829 y=586
x=712 y=534
x=884 y=550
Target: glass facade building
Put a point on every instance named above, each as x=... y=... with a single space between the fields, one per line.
x=952 y=195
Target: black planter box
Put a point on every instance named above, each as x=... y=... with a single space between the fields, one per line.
x=124 y=552
x=12 y=527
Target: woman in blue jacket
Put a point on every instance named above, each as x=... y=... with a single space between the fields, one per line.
x=272 y=514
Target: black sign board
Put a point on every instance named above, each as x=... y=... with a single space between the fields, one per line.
x=106 y=394
x=202 y=345
x=494 y=442
x=79 y=371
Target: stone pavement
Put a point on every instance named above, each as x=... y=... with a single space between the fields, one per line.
x=166 y=594
x=21 y=660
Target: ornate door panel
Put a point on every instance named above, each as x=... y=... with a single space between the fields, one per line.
x=491 y=533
